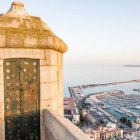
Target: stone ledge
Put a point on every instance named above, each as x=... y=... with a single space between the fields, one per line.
x=59 y=128
x=23 y=38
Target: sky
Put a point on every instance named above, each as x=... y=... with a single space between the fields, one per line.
x=97 y=32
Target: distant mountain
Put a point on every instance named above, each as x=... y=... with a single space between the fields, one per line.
x=131 y=65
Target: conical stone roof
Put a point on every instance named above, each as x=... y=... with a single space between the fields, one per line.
x=20 y=30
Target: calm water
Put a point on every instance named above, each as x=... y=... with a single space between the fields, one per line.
x=126 y=88
x=91 y=75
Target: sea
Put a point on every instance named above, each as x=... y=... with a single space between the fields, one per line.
x=101 y=74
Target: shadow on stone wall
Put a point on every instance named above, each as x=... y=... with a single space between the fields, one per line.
x=23 y=127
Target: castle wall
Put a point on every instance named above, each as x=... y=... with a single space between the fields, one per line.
x=51 y=80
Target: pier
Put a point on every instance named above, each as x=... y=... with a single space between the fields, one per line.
x=107 y=84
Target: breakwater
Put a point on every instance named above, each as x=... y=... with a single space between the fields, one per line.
x=107 y=84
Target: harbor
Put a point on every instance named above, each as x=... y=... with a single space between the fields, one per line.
x=127 y=88
x=115 y=105
x=119 y=98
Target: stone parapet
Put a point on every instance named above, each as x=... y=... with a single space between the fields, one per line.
x=56 y=127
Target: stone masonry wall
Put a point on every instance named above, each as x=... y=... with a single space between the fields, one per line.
x=51 y=80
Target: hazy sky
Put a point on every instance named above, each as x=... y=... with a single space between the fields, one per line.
x=98 y=32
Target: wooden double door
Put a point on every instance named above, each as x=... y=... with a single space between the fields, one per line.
x=21 y=88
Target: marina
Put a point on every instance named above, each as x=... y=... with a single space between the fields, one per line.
x=123 y=105
x=126 y=101
x=137 y=107
x=126 y=112
x=118 y=105
x=119 y=99
x=136 y=90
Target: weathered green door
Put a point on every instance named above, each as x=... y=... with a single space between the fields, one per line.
x=22 y=113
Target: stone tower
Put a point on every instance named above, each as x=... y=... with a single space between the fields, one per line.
x=31 y=74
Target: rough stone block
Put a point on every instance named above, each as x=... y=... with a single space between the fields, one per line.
x=48 y=74
x=60 y=81
x=2 y=38
x=1 y=75
x=43 y=104
x=51 y=57
x=43 y=62
x=47 y=104
x=54 y=104
x=14 y=39
x=59 y=58
x=1 y=93
x=43 y=42
x=48 y=90
x=60 y=110
x=1 y=113
x=60 y=100
x=1 y=62
x=2 y=132
x=30 y=40
x=22 y=53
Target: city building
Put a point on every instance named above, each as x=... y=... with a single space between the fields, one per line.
x=89 y=101
x=105 y=133
x=136 y=124
x=75 y=116
x=110 y=131
x=112 y=134
x=93 y=134
x=132 y=136
x=88 y=118
x=31 y=83
x=70 y=110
